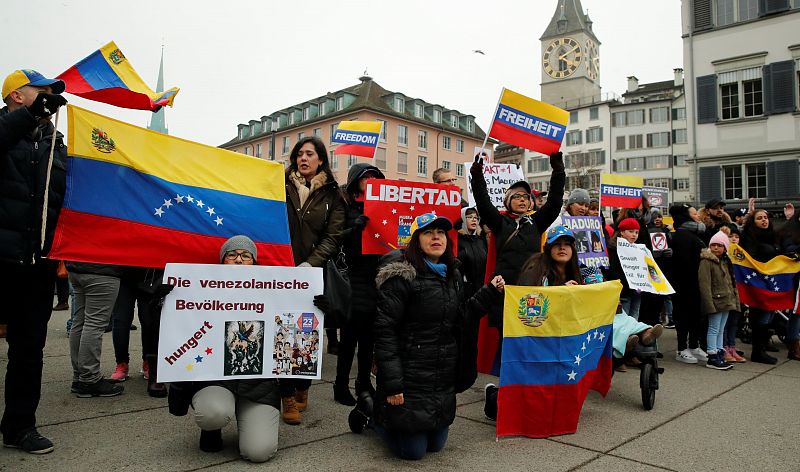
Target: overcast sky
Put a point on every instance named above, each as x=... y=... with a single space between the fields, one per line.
x=238 y=60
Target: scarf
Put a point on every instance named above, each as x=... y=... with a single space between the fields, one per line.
x=305 y=189
x=694 y=227
x=439 y=269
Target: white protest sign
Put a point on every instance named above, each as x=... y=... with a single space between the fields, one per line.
x=498 y=178
x=224 y=322
x=659 y=241
x=486 y=153
x=641 y=270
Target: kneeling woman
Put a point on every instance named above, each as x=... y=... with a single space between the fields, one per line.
x=254 y=403
x=415 y=346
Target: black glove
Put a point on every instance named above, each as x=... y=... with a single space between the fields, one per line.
x=46 y=104
x=667 y=252
x=477 y=167
x=322 y=302
x=360 y=222
x=557 y=161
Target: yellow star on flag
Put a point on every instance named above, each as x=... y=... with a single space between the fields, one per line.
x=189 y=367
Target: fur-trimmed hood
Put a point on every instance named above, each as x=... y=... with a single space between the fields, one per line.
x=395 y=269
x=705 y=217
x=707 y=254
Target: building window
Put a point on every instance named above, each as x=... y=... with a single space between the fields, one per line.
x=351 y=161
x=339 y=103
x=437 y=116
x=300 y=135
x=380 y=158
x=594 y=135
x=402 y=135
x=594 y=113
x=285 y=146
x=334 y=161
x=459 y=170
x=636 y=163
x=258 y=150
x=446 y=165
x=657 y=140
x=454 y=121
x=573 y=117
x=753 y=98
x=459 y=145
x=402 y=163
x=659 y=115
x=620 y=143
x=422 y=139
x=679 y=114
x=635 y=141
x=660 y=182
x=291 y=118
x=725 y=12
x=657 y=162
x=265 y=126
x=447 y=142
x=756 y=180
x=619 y=119
x=681 y=184
x=383 y=130
x=247 y=150
x=318 y=132
x=620 y=165
x=470 y=126
x=730 y=101
x=734 y=11
x=418 y=110
x=680 y=136
x=733 y=181
x=680 y=160
x=399 y=105
x=422 y=166
x=306 y=113
x=635 y=117
x=333 y=131
x=322 y=108
x=575 y=137
x=741 y=93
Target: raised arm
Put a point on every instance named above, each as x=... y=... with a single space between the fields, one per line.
x=545 y=216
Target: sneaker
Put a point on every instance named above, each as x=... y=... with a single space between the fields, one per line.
x=699 y=354
x=120 y=373
x=736 y=356
x=727 y=356
x=101 y=388
x=686 y=357
x=145 y=370
x=29 y=441
x=490 y=401
x=74 y=387
x=670 y=325
x=716 y=361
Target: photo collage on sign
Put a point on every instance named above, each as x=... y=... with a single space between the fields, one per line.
x=296 y=344
x=244 y=347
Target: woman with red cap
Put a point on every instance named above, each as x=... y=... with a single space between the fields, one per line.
x=630 y=299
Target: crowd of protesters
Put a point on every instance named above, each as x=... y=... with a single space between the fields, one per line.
x=414 y=315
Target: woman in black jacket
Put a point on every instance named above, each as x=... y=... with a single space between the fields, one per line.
x=472 y=251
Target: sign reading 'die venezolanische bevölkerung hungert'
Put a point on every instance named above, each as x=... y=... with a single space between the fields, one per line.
x=224 y=322
x=641 y=270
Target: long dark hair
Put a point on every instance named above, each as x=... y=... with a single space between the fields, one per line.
x=322 y=152
x=754 y=233
x=416 y=257
x=542 y=265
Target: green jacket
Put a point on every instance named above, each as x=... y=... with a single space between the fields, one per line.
x=316 y=226
x=717 y=285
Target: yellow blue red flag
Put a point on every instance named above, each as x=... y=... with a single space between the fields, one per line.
x=357 y=138
x=107 y=76
x=624 y=191
x=529 y=123
x=765 y=285
x=136 y=197
x=557 y=344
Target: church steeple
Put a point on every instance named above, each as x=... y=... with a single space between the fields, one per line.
x=568 y=17
x=158 y=121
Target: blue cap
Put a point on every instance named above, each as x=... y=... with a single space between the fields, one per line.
x=559 y=231
x=428 y=219
x=23 y=77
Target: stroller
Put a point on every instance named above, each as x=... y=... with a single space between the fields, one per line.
x=648 y=357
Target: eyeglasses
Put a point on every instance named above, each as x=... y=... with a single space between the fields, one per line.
x=520 y=196
x=448 y=181
x=232 y=255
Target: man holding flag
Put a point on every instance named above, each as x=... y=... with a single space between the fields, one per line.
x=32 y=190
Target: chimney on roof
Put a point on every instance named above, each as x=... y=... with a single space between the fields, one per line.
x=633 y=84
x=678 y=76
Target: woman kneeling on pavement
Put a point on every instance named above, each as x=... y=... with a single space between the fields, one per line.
x=254 y=403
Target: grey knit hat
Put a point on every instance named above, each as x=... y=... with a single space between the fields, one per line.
x=238 y=242
x=578 y=195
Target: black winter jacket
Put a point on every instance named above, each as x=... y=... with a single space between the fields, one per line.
x=362 y=268
x=761 y=244
x=472 y=255
x=416 y=348
x=24 y=155
x=686 y=247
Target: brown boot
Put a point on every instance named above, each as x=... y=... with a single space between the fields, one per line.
x=301 y=399
x=154 y=389
x=291 y=415
x=794 y=350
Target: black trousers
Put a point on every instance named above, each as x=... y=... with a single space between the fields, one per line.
x=357 y=333
x=27 y=294
x=62 y=290
x=122 y=318
x=688 y=320
x=288 y=387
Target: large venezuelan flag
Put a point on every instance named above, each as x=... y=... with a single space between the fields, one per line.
x=357 y=138
x=764 y=285
x=556 y=346
x=107 y=76
x=140 y=198
x=529 y=123
x=624 y=191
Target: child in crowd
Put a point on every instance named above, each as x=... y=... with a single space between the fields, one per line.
x=729 y=341
x=627 y=229
x=718 y=296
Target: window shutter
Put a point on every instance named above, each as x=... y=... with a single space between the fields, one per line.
x=710 y=183
x=707 y=99
x=702 y=15
x=779 y=87
x=783 y=179
x=768 y=7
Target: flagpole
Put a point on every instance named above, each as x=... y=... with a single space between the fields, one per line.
x=47 y=178
x=485 y=139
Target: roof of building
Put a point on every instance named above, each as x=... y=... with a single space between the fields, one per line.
x=570 y=11
x=369 y=95
x=653 y=87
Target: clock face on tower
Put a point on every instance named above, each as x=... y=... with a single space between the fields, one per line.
x=562 y=58
x=592 y=60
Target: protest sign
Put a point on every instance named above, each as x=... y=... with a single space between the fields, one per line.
x=589 y=239
x=641 y=270
x=224 y=322
x=498 y=178
x=659 y=241
x=392 y=205
x=624 y=191
x=656 y=196
x=529 y=123
x=486 y=153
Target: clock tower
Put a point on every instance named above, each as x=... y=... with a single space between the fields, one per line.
x=570 y=56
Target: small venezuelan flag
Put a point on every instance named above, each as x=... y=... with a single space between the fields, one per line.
x=557 y=344
x=107 y=76
x=624 y=191
x=136 y=197
x=765 y=285
x=529 y=123
x=357 y=138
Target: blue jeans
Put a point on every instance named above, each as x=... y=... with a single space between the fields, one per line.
x=668 y=309
x=413 y=446
x=631 y=303
x=716 y=328
x=730 y=328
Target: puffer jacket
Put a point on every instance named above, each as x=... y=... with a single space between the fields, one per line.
x=415 y=347
x=316 y=226
x=686 y=247
x=24 y=154
x=717 y=285
x=472 y=255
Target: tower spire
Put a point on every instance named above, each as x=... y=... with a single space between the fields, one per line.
x=158 y=121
